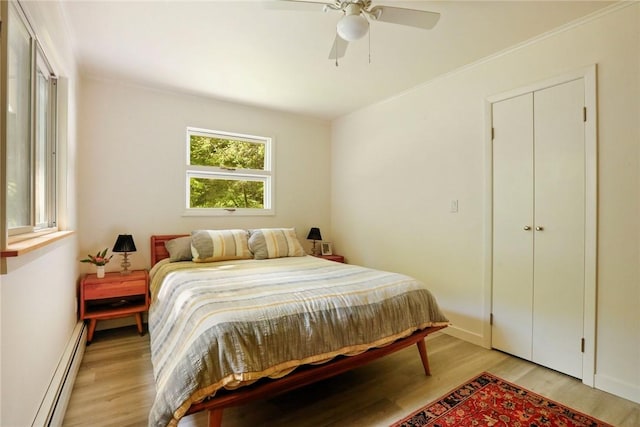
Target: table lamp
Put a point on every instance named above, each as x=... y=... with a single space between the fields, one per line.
x=124 y=243
x=314 y=234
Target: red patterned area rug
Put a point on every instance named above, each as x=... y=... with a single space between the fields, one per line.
x=491 y=401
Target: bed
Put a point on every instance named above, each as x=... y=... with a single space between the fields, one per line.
x=228 y=332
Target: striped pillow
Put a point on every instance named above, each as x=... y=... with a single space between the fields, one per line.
x=274 y=243
x=219 y=245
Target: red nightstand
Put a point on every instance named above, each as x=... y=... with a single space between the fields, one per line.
x=113 y=296
x=336 y=258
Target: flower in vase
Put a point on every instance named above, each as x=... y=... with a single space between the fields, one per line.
x=99 y=259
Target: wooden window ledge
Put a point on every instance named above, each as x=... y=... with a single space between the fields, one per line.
x=29 y=245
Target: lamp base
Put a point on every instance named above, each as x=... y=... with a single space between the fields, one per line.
x=316 y=250
x=125 y=264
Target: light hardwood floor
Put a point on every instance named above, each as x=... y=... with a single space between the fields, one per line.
x=115 y=387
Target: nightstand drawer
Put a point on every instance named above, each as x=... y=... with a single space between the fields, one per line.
x=114 y=289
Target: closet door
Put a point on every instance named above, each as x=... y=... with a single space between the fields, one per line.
x=513 y=226
x=559 y=242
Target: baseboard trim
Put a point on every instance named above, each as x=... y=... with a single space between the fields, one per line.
x=465 y=335
x=619 y=388
x=601 y=382
x=55 y=401
x=119 y=322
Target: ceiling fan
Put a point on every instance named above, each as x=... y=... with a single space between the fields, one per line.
x=354 y=24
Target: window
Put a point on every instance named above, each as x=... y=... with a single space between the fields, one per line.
x=31 y=136
x=228 y=173
x=45 y=138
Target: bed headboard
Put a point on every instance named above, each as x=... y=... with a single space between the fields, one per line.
x=158 y=249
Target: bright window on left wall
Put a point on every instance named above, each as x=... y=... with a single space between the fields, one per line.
x=31 y=132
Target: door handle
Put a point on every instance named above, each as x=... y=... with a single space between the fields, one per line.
x=539 y=228
x=527 y=228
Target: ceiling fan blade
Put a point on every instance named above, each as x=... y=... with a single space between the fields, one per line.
x=339 y=48
x=402 y=16
x=301 y=5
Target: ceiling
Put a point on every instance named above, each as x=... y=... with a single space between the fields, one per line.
x=246 y=52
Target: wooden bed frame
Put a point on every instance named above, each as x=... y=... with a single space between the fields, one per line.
x=303 y=375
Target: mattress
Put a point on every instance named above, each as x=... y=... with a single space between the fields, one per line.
x=227 y=324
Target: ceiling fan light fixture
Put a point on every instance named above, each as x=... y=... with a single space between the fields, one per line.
x=352 y=27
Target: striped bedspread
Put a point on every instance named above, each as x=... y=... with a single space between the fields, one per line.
x=226 y=324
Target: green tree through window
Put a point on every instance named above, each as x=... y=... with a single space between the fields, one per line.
x=231 y=153
x=227 y=171
x=218 y=193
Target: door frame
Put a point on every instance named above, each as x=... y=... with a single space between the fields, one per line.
x=589 y=76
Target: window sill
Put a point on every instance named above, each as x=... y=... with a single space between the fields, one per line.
x=227 y=212
x=25 y=246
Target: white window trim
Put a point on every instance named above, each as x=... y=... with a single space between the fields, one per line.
x=52 y=142
x=38 y=59
x=268 y=175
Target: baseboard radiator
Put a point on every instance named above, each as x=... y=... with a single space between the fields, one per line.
x=55 y=401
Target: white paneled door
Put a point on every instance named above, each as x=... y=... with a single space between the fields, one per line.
x=538 y=225
x=513 y=225
x=558 y=302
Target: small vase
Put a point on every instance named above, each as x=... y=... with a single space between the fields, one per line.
x=100 y=271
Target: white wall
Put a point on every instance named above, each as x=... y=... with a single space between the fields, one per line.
x=37 y=296
x=132 y=151
x=397 y=165
x=38 y=317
